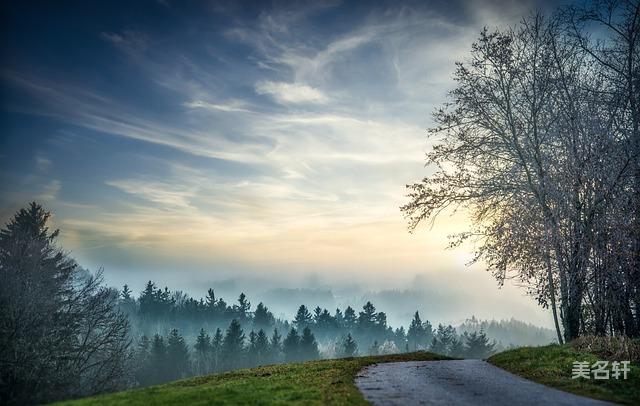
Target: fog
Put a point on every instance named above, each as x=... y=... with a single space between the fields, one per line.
x=448 y=296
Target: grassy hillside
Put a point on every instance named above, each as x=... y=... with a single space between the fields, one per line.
x=315 y=382
x=551 y=365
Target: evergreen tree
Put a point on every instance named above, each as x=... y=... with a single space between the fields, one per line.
x=252 y=351
x=349 y=318
x=276 y=346
x=400 y=339
x=477 y=345
x=308 y=345
x=291 y=346
x=241 y=310
x=262 y=348
x=316 y=314
x=339 y=318
x=262 y=317
x=456 y=348
x=233 y=346
x=157 y=361
x=210 y=303
x=303 y=317
x=177 y=356
x=216 y=350
x=416 y=336
x=203 y=355
x=367 y=317
x=438 y=346
x=142 y=359
x=349 y=346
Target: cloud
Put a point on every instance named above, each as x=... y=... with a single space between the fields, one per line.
x=285 y=93
x=42 y=163
x=229 y=107
x=50 y=190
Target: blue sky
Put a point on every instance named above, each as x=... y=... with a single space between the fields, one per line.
x=201 y=140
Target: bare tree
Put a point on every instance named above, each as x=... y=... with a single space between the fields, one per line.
x=531 y=145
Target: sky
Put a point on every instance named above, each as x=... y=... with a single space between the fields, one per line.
x=263 y=143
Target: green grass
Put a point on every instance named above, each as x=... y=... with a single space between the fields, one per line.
x=309 y=383
x=551 y=365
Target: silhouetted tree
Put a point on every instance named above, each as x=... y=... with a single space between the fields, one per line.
x=349 y=346
x=61 y=333
x=291 y=346
x=303 y=317
x=308 y=345
x=233 y=346
x=177 y=356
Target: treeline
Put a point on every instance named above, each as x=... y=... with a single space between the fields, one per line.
x=253 y=338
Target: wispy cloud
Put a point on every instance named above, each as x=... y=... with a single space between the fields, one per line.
x=228 y=107
x=285 y=93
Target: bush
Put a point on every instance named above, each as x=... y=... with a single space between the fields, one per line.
x=619 y=348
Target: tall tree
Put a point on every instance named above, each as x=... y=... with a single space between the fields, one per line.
x=308 y=348
x=303 y=318
x=291 y=346
x=233 y=346
x=416 y=336
x=349 y=347
x=61 y=333
x=178 y=358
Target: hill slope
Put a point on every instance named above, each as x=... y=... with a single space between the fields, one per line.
x=314 y=382
x=551 y=365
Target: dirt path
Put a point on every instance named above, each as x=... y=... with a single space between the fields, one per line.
x=464 y=382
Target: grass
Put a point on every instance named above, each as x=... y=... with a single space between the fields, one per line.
x=551 y=365
x=310 y=383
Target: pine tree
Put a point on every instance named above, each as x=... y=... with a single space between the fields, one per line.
x=456 y=348
x=400 y=338
x=275 y=346
x=291 y=346
x=349 y=318
x=216 y=350
x=262 y=317
x=210 y=303
x=316 y=314
x=157 y=361
x=438 y=346
x=233 y=346
x=303 y=317
x=308 y=345
x=367 y=318
x=252 y=351
x=242 y=308
x=203 y=355
x=477 y=345
x=349 y=346
x=416 y=336
x=142 y=359
x=177 y=356
x=339 y=318
x=262 y=348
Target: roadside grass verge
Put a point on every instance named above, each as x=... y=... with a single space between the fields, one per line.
x=310 y=383
x=551 y=365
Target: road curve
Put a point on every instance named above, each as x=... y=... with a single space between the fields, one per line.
x=459 y=382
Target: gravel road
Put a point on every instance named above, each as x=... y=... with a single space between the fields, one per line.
x=464 y=382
